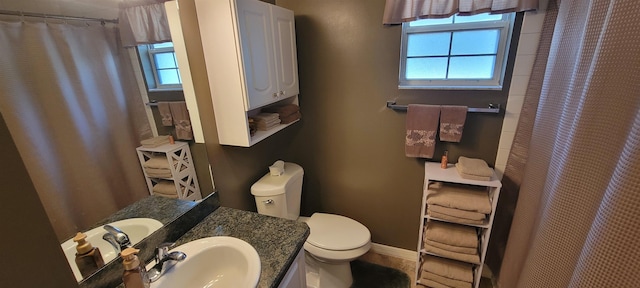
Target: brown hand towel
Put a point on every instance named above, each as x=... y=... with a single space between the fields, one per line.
x=421 y=125
x=283 y=110
x=165 y=113
x=181 y=120
x=288 y=119
x=452 y=120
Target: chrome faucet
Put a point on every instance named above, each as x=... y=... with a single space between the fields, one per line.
x=118 y=239
x=162 y=257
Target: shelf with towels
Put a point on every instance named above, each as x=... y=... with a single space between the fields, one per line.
x=491 y=109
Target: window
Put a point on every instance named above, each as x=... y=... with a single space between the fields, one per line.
x=459 y=52
x=160 y=66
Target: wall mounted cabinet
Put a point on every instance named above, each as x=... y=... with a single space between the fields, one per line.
x=250 y=53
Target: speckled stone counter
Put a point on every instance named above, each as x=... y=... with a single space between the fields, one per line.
x=277 y=240
x=162 y=209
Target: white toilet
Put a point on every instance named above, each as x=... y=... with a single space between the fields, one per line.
x=334 y=240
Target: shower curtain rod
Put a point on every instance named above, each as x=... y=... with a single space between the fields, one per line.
x=53 y=16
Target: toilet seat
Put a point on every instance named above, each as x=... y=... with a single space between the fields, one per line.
x=337 y=233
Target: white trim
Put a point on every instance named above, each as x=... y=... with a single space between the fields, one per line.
x=394 y=252
x=180 y=50
x=137 y=71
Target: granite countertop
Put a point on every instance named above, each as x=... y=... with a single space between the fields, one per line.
x=276 y=240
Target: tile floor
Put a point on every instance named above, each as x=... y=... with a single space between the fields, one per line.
x=406 y=266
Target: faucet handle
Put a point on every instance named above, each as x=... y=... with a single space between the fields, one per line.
x=162 y=250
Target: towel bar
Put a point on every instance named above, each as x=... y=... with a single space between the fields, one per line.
x=154 y=103
x=491 y=109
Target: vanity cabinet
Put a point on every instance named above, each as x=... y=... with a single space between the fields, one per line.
x=450 y=176
x=250 y=54
x=182 y=172
x=296 y=275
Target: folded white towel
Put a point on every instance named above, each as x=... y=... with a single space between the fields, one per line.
x=465 y=197
x=448 y=268
x=451 y=234
x=457 y=212
x=448 y=282
x=474 y=166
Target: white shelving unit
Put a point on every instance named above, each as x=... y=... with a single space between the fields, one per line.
x=181 y=165
x=433 y=173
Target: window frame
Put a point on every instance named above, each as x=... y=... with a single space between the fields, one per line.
x=505 y=26
x=151 y=71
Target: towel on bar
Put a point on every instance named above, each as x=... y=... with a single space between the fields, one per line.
x=155 y=141
x=181 y=120
x=448 y=268
x=473 y=167
x=165 y=113
x=470 y=198
x=436 y=279
x=421 y=125
x=452 y=120
x=464 y=250
x=453 y=218
x=452 y=255
x=451 y=234
x=457 y=212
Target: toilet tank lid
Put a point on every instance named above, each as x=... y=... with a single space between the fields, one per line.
x=275 y=185
x=335 y=232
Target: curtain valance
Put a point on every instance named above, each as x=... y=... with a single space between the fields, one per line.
x=398 y=11
x=143 y=22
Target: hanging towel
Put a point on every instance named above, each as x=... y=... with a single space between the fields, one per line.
x=165 y=113
x=421 y=125
x=181 y=120
x=451 y=122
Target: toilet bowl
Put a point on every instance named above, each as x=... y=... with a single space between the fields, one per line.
x=333 y=243
x=334 y=240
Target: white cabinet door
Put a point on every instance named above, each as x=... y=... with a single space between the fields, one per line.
x=256 y=37
x=296 y=276
x=285 y=48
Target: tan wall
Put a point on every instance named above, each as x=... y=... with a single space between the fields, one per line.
x=349 y=144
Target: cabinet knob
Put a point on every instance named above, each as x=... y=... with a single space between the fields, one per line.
x=281 y=93
x=275 y=95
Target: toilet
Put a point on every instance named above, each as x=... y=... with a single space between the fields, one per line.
x=334 y=240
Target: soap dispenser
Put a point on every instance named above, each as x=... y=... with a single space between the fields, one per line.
x=88 y=258
x=135 y=274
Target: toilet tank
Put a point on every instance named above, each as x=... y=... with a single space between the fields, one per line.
x=279 y=196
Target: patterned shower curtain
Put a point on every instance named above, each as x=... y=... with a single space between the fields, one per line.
x=76 y=116
x=577 y=221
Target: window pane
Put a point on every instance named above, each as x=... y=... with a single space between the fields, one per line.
x=471 y=67
x=475 y=42
x=165 y=60
x=162 y=45
x=168 y=76
x=427 y=68
x=425 y=22
x=428 y=44
x=477 y=18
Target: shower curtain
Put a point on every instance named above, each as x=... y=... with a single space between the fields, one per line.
x=577 y=220
x=73 y=110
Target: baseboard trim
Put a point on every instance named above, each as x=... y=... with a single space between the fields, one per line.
x=394 y=252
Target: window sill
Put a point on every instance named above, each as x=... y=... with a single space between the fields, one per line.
x=165 y=89
x=415 y=87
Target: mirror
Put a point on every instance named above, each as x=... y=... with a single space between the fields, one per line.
x=106 y=9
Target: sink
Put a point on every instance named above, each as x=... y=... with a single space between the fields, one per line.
x=213 y=262
x=136 y=228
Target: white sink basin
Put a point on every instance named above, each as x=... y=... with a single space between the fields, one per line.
x=213 y=262
x=136 y=228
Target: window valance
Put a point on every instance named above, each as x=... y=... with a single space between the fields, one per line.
x=398 y=11
x=143 y=22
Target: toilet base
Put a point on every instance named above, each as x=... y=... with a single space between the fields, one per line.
x=327 y=275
